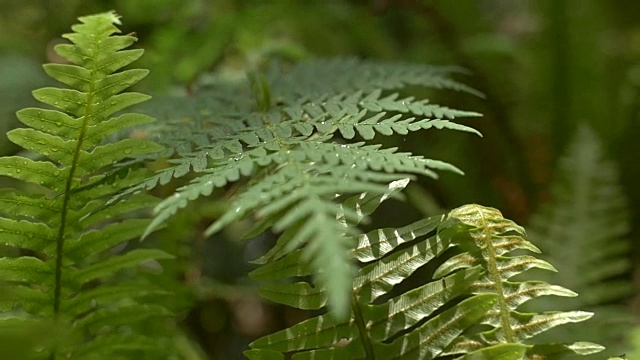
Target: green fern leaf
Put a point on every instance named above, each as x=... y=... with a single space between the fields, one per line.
x=425 y=322
x=246 y=143
x=432 y=338
x=288 y=143
x=317 y=337
x=583 y=231
x=345 y=75
x=487 y=239
x=62 y=222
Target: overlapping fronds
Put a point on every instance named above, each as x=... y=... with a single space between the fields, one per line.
x=583 y=230
x=303 y=137
x=434 y=319
x=302 y=142
x=62 y=274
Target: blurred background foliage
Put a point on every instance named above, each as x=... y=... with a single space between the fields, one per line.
x=545 y=67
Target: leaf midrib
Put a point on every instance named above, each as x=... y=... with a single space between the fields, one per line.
x=67 y=189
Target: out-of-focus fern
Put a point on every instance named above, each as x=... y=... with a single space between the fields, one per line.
x=582 y=231
x=633 y=351
x=435 y=320
x=304 y=135
x=64 y=278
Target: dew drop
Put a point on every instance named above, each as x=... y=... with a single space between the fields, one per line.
x=127 y=151
x=56 y=173
x=18 y=171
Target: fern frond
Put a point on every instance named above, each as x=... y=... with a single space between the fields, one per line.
x=272 y=136
x=428 y=321
x=301 y=149
x=222 y=130
x=487 y=240
x=371 y=325
x=347 y=75
x=66 y=275
x=584 y=227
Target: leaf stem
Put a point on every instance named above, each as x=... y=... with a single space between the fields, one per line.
x=362 y=328
x=57 y=297
x=494 y=273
